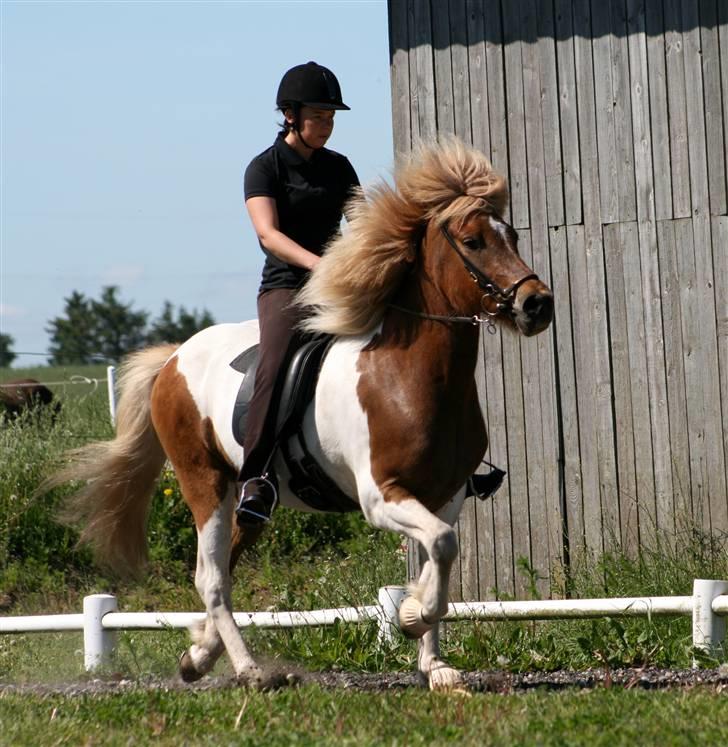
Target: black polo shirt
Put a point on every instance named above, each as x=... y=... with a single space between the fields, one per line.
x=310 y=196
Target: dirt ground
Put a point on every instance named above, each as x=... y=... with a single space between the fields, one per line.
x=484 y=681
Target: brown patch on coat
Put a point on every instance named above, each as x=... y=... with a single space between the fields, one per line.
x=190 y=443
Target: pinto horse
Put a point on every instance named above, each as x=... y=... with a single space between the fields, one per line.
x=395 y=420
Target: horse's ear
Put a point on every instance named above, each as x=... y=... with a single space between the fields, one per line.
x=413 y=247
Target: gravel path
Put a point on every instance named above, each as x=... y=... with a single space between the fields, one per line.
x=489 y=681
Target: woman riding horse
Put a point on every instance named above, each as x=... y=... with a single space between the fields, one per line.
x=395 y=421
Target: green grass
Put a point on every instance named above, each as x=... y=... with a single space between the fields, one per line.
x=312 y=716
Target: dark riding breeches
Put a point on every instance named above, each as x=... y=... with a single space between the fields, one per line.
x=279 y=338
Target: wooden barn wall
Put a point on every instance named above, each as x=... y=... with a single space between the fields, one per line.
x=611 y=120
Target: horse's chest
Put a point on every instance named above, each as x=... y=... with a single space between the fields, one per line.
x=425 y=435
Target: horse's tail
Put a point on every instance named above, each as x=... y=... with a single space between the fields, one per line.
x=119 y=475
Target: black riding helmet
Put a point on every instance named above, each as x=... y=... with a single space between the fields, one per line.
x=310 y=85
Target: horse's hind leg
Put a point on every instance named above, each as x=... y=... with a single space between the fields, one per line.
x=213 y=518
x=208 y=645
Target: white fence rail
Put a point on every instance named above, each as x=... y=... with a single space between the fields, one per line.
x=708 y=606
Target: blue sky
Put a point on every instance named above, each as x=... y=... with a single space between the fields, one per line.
x=126 y=128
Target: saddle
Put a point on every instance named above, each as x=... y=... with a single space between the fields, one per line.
x=308 y=480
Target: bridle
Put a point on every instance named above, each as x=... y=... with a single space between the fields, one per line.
x=503 y=297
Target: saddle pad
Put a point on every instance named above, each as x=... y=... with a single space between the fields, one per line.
x=246 y=363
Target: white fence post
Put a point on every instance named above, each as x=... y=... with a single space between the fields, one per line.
x=111 y=388
x=98 y=643
x=709 y=629
x=390 y=598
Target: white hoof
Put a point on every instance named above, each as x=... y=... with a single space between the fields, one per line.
x=443 y=677
x=410 y=618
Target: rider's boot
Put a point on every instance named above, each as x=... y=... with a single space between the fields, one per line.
x=483 y=486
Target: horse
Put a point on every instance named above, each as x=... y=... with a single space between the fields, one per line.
x=21 y=395
x=395 y=421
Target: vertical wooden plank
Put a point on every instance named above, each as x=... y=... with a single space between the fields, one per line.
x=460 y=73
x=517 y=455
x=568 y=112
x=554 y=168
x=479 y=94
x=422 y=75
x=723 y=53
x=689 y=300
x=650 y=517
x=713 y=108
x=518 y=166
x=586 y=388
x=571 y=489
x=622 y=103
x=614 y=250
x=675 y=374
x=496 y=87
x=399 y=78
x=502 y=541
x=606 y=144
x=482 y=511
x=720 y=261
x=677 y=107
x=443 y=69
x=658 y=110
x=534 y=447
x=586 y=115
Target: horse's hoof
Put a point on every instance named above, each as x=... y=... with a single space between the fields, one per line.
x=444 y=678
x=257 y=679
x=410 y=618
x=187 y=670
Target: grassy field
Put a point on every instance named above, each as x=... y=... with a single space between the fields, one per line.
x=307 y=562
x=314 y=716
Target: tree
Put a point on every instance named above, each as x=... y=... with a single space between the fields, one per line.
x=73 y=337
x=106 y=329
x=119 y=330
x=7 y=356
x=166 y=329
x=94 y=330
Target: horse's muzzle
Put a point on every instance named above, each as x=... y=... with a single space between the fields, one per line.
x=534 y=308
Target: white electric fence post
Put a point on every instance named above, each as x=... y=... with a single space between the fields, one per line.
x=709 y=629
x=98 y=643
x=390 y=598
x=111 y=387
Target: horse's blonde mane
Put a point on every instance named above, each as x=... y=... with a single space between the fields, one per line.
x=360 y=270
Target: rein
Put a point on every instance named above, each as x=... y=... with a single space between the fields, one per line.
x=502 y=296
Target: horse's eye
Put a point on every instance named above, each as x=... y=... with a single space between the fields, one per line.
x=472 y=243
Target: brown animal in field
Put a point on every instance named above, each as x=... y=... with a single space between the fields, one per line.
x=26 y=394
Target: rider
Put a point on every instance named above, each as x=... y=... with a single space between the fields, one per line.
x=295 y=192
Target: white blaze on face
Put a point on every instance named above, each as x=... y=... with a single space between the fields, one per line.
x=498 y=226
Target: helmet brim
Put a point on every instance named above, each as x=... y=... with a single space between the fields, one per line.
x=328 y=106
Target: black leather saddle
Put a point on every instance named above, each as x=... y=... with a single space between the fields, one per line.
x=308 y=480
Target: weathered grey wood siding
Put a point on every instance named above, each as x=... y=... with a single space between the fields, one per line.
x=611 y=120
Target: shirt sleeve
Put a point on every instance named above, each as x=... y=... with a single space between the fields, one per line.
x=260 y=179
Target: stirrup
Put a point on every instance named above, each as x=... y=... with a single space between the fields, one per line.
x=247 y=514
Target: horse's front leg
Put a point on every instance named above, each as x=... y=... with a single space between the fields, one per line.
x=421 y=611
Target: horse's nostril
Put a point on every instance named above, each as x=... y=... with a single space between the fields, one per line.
x=539 y=306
